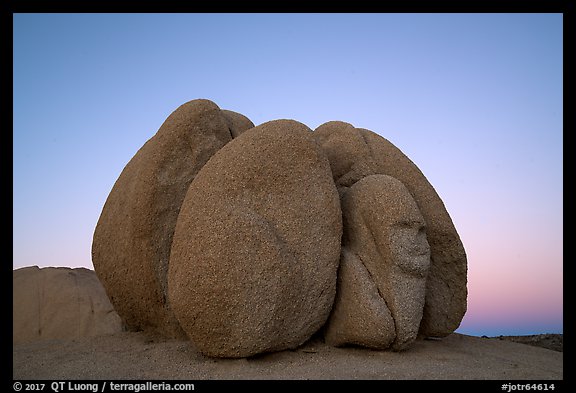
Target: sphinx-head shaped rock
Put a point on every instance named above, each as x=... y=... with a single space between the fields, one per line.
x=355 y=153
x=385 y=247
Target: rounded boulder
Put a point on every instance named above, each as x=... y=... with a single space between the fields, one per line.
x=133 y=236
x=256 y=249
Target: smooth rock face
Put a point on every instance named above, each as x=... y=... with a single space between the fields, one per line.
x=355 y=153
x=60 y=303
x=383 y=232
x=257 y=244
x=132 y=240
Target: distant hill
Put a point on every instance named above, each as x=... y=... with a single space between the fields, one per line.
x=554 y=342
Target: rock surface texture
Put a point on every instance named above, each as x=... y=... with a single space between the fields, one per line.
x=385 y=244
x=355 y=153
x=256 y=248
x=132 y=240
x=60 y=303
x=360 y=315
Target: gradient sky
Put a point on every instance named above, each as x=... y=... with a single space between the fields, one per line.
x=475 y=100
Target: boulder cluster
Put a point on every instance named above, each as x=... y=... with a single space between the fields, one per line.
x=249 y=239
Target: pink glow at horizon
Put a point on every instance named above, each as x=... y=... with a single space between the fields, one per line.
x=508 y=283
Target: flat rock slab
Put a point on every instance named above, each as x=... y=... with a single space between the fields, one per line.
x=137 y=356
x=60 y=303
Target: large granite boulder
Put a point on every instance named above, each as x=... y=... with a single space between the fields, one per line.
x=356 y=153
x=385 y=252
x=60 y=303
x=255 y=252
x=132 y=240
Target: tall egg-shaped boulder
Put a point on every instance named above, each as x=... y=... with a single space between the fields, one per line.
x=133 y=236
x=256 y=248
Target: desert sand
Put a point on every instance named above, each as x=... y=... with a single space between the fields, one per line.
x=128 y=355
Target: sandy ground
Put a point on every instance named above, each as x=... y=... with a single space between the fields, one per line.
x=138 y=356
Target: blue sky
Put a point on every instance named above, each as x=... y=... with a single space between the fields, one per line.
x=475 y=100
